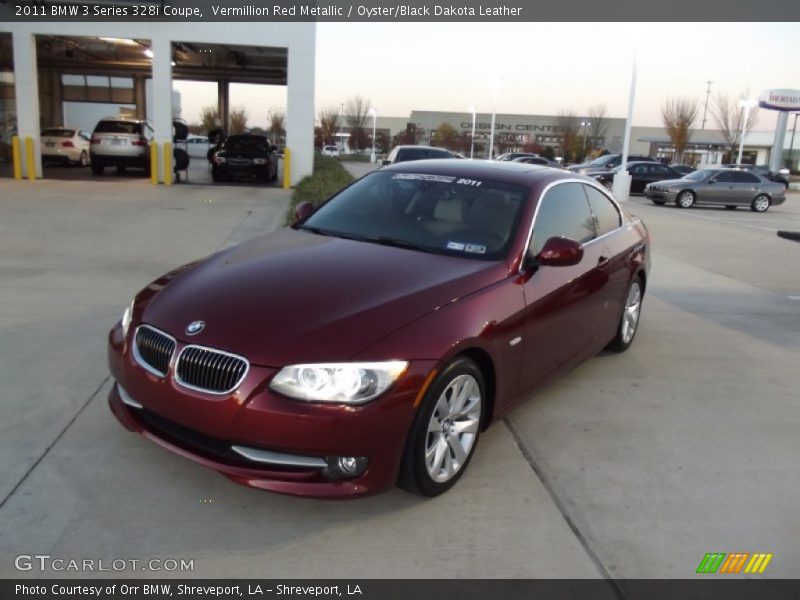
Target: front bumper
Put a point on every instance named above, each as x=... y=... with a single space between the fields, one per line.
x=665 y=195
x=205 y=428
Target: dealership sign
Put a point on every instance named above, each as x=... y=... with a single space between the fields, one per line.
x=780 y=100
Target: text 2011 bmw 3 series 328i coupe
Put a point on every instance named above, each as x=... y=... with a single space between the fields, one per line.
x=373 y=341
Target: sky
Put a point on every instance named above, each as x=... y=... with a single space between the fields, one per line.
x=543 y=67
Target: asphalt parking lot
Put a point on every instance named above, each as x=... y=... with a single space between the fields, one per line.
x=631 y=466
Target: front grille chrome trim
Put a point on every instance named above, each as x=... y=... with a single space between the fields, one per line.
x=268 y=457
x=126 y=397
x=209 y=369
x=141 y=361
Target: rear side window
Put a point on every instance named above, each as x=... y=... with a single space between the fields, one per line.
x=118 y=127
x=744 y=177
x=563 y=212
x=606 y=215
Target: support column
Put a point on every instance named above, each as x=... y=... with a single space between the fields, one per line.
x=56 y=99
x=776 y=154
x=139 y=96
x=223 y=105
x=162 y=102
x=300 y=104
x=26 y=84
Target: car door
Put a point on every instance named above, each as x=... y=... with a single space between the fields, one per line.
x=639 y=177
x=744 y=187
x=560 y=302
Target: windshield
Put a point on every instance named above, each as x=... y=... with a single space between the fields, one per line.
x=246 y=143
x=699 y=175
x=600 y=162
x=473 y=218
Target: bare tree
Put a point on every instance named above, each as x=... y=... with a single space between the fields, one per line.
x=568 y=128
x=356 y=110
x=210 y=117
x=446 y=136
x=678 y=115
x=238 y=118
x=598 y=117
x=730 y=119
x=276 y=125
x=328 y=124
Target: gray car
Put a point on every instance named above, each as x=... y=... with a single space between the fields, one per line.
x=722 y=187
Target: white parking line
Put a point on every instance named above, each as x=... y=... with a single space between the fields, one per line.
x=793 y=297
x=725 y=221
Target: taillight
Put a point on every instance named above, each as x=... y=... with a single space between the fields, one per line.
x=68 y=144
x=95 y=140
x=139 y=142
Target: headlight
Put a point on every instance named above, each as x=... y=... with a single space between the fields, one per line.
x=259 y=161
x=220 y=160
x=348 y=383
x=126 y=319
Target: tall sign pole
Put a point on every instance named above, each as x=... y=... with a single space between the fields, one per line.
x=622 y=179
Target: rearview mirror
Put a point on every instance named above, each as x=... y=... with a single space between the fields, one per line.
x=560 y=252
x=303 y=211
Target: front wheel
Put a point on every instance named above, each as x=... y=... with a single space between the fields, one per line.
x=685 y=199
x=760 y=203
x=445 y=430
x=629 y=321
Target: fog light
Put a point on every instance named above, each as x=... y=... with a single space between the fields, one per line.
x=345 y=467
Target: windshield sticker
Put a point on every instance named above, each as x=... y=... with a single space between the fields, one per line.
x=455 y=246
x=475 y=248
x=471 y=182
x=424 y=177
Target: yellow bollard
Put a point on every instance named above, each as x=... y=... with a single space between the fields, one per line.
x=153 y=163
x=167 y=163
x=287 y=168
x=16 y=158
x=31 y=165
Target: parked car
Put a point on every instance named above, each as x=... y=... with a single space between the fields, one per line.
x=509 y=156
x=641 y=173
x=245 y=156
x=65 y=145
x=331 y=151
x=608 y=162
x=684 y=169
x=120 y=143
x=376 y=338
x=407 y=153
x=536 y=160
x=763 y=171
x=722 y=187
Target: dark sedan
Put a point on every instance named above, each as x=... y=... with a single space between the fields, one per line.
x=536 y=160
x=642 y=173
x=722 y=187
x=245 y=156
x=376 y=339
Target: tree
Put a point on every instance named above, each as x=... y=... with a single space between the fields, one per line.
x=276 y=125
x=730 y=119
x=598 y=117
x=328 y=124
x=238 y=119
x=210 y=117
x=356 y=110
x=446 y=136
x=568 y=128
x=678 y=115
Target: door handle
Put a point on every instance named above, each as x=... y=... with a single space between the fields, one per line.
x=602 y=261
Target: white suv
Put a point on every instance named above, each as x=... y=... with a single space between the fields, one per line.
x=121 y=143
x=331 y=151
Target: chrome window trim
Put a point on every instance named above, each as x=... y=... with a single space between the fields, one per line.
x=553 y=184
x=138 y=358
x=189 y=386
x=277 y=458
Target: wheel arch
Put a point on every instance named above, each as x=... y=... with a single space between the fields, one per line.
x=486 y=365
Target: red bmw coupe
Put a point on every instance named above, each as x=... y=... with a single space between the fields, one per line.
x=374 y=340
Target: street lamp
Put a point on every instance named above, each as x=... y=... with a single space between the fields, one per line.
x=341 y=130
x=745 y=104
x=472 y=137
x=791 y=145
x=496 y=82
x=374 y=114
x=585 y=124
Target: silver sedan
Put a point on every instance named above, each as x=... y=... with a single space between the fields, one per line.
x=723 y=187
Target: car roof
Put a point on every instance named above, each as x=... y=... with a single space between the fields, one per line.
x=521 y=173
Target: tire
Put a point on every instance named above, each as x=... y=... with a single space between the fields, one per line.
x=685 y=199
x=97 y=168
x=83 y=161
x=120 y=170
x=730 y=206
x=629 y=320
x=439 y=413
x=760 y=203
x=658 y=202
x=217 y=176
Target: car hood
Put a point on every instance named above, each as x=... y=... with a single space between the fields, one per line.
x=293 y=296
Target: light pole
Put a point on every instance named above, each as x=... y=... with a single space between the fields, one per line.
x=341 y=129
x=791 y=145
x=472 y=137
x=585 y=124
x=495 y=88
x=745 y=104
x=705 y=110
x=374 y=114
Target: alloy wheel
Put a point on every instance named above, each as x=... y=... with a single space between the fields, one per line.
x=761 y=204
x=633 y=308
x=686 y=199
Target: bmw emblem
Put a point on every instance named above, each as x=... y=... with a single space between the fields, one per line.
x=195 y=327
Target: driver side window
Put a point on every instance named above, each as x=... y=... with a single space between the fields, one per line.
x=563 y=212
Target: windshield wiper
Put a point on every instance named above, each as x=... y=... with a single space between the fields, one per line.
x=396 y=243
x=316 y=230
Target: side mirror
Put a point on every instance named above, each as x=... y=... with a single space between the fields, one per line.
x=303 y=211
x=385 y=162
x=560 y=252
x=710 y=181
